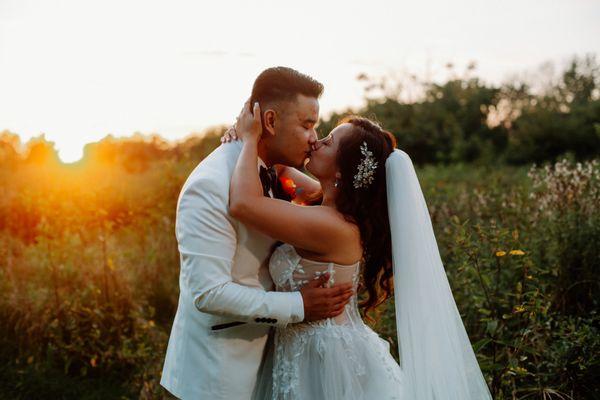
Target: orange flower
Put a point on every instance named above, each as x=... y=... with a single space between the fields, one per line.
x=500 y=253
x=289 y=186
x=516 y=252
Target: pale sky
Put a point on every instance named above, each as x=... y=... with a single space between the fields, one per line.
x=78 y=70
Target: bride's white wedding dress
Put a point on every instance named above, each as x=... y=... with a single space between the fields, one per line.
x=342 y=358
x=336 y=358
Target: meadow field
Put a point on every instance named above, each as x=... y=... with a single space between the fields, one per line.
x=89 y=274
x=89 y=263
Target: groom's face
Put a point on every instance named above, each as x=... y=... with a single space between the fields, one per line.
x=295 y=131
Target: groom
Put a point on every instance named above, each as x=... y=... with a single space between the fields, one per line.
x=226 y=306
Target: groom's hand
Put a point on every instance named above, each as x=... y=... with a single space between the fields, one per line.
x=323 y=302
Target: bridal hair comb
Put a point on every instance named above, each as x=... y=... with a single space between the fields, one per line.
x=366 y=168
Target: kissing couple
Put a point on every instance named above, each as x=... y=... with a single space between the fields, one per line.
x=276 y=265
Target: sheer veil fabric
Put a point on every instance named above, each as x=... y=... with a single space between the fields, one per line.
x=436 y=356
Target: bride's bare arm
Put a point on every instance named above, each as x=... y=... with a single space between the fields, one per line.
x=316 y=229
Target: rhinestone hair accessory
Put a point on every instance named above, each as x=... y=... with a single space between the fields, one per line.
x=366 y=168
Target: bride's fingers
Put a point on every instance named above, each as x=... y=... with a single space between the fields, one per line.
x=243 y=111
x=247 y=109
x=256 y=112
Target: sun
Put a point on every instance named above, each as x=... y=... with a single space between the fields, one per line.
x=70 y=152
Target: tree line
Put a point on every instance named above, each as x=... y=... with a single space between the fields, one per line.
x=463 y=120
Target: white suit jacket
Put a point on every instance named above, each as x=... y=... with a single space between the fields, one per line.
x=224 y=278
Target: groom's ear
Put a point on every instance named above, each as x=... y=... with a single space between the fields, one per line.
x=269 y=121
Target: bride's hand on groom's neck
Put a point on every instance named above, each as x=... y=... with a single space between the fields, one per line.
x=324 y=302
x=248 y=126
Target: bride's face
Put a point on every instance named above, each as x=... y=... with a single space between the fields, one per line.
x=323 y=160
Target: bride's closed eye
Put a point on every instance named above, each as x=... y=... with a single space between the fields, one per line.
x=327 y=140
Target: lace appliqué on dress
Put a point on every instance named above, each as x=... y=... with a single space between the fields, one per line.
x=336 y=354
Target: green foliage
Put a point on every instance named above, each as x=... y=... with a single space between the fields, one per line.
x=466 y=120
x=90 y=292
x=89 y=270
x=520 y=250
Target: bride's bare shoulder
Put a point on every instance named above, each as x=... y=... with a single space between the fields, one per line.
x=345 y=247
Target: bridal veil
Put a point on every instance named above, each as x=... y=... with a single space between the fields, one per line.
x=435 y=352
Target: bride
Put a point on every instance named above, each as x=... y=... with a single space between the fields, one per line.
x=372 y=228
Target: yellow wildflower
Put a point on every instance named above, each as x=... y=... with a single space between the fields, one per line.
x=518 y=309
x=519 y=370
x=500 y=253
x=516 y=252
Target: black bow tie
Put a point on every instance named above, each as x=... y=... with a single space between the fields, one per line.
x=268 y=178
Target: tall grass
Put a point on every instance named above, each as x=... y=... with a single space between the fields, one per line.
x=89 y=275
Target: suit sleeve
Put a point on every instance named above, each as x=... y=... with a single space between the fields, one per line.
x=207 y=242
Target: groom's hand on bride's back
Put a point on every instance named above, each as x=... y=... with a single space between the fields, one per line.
x=324 y=302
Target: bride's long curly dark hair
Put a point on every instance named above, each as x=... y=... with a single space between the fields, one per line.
x=367 y=206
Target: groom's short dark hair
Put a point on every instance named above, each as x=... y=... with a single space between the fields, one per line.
x=278 y=84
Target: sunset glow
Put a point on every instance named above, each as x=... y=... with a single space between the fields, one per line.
x=77 y=71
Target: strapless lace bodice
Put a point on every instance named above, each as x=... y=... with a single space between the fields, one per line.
x=335 y=358
x=290 y=272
